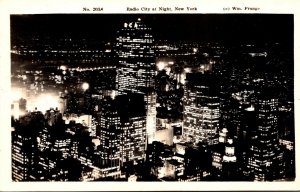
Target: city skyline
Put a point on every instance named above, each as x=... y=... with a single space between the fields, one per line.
x=157 y=98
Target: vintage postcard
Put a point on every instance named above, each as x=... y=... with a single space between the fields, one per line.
x=149 y=95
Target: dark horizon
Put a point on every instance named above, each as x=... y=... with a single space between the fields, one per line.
x=228 y=28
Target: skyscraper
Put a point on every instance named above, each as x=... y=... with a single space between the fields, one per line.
x=265 y=156
x=131 y=109
x=200 y=109
x=109 y=148
x=122 y=130
x=22 y=161
x=25 y=147
x=136 y=69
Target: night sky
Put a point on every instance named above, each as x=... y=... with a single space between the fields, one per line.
x=194 y=27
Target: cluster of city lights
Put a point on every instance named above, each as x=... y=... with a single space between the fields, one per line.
x=42 y=102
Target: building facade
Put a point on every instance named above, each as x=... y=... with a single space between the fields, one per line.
x=201 y=111
x=136 y=67
x=265 y=156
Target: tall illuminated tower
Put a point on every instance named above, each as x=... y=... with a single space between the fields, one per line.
x=122 y=130
x=265 y=156
x=136 y=69
x=201 y=109
x=109 y=134
x=24 y=147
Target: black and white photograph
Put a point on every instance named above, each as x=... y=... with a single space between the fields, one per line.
x=149 y=95
x=160 y=97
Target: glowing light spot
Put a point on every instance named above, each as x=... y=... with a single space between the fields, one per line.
x=187 y=70
x=160 y=66
x=85 y=86
x=63 y=67
x=251 y=108
x=224 y=130
x=44 y=102
x=168 y=70
x=113 y=94
x=182 y=78
x=15 y=95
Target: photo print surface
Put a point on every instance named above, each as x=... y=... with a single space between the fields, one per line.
x=152 y=97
